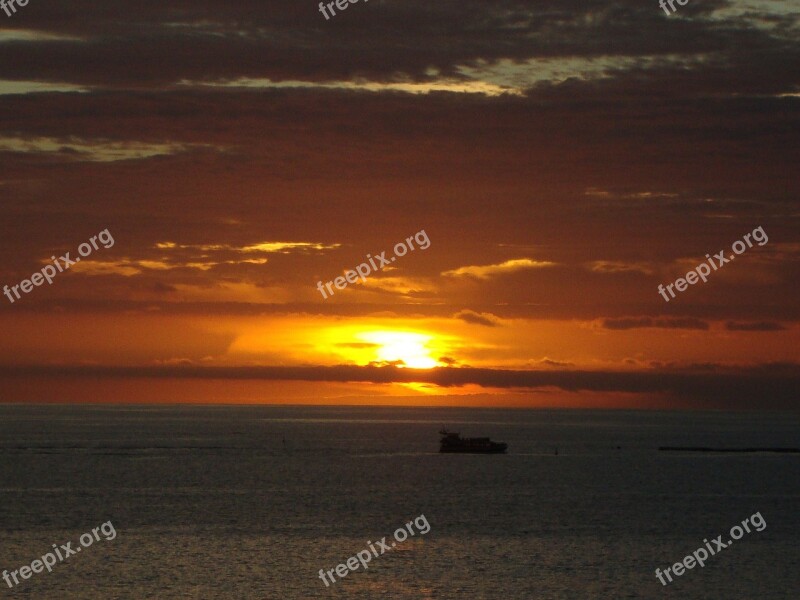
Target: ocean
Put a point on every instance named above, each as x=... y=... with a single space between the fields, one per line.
x=218 y=502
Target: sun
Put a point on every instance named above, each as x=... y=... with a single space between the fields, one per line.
x=411 y=348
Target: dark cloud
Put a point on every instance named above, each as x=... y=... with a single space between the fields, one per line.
x=160 y=44
x=475 y=318
x=762 y=387
x=548 y=362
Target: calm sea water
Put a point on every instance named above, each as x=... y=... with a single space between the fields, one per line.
x=250 y=502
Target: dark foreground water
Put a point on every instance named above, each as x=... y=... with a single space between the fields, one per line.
x=251 y=502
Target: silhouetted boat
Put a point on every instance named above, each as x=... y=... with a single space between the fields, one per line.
x=453 y=442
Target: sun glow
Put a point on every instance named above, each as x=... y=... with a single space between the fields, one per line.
x=410 y=348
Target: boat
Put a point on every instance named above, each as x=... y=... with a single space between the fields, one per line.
x=453 y=442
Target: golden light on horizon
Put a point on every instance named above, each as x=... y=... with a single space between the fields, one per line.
x=411 y=348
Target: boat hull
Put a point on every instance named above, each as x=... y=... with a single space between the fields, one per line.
x=495 y=449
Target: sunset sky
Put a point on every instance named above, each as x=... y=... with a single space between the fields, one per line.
x=563 y=158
